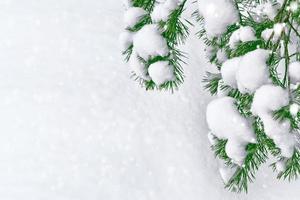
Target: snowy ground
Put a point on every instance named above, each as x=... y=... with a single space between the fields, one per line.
x=75 y=127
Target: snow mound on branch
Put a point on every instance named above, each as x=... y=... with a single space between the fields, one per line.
x=279 y=28
x=160 y=13
x=248 y=72
x=267 y=9
x=225 y=122
x=267 y=34
x=138 y=67
x=279 y=132
x=294 y=109
x=125 y=39
x=133 y=15
x=253 y=71
x=243 y=34
x=268 y=99
x=247 y=34
x=163 y=9
x=229 y=70
x=161 y=72
x=218 y=14
x=294 y=72
x=149 y=42
x=274 y=33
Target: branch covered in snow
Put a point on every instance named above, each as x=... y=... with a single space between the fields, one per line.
x=255 y=48
x=153 y=32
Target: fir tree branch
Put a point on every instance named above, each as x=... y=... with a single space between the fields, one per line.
x=292 y=168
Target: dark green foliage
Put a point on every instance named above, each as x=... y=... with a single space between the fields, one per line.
x=147 y=5
x=296 y=95
x=127 y=53
x=292 y=169
x=257 y=154
x=143 y=21
x=174 y=59
x=176 y=29
x=211 y=82
x=219 y=149
x=246 y=47
x=284 y=114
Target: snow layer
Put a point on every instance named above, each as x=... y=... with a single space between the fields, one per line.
x=268 y=34
x=243 y=34
x=248 y=72
x=279 y=132
x=149 y=42
x=294 y=109
x=267 y=99
x=163 y=9
x=273 y=33
x=253 y=71
x=74 y=126
x=225 y=122
x=229 y=70
x=161 y=72
x=268 y=9
x=218 y=14
x=133 y=15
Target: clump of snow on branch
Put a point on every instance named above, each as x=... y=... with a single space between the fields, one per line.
x=125 y=39
x=146 y=47
x=218 y=14
x=243 y=34
x=268 y=99
x=163 y=9
x=149 y=42
x=248 y=72
x=225 y=122
x=133 y=15
x=229 y=70
x=253 y=71
x=267 y=9
x=294 y=109
x=161 y=72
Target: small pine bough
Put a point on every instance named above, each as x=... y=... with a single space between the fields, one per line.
x=154 y=30
x=254 y=48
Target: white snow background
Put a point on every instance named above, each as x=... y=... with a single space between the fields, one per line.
x=74 y=126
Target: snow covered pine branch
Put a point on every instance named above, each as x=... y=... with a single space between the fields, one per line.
x=253 y=46
x=154 y=30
